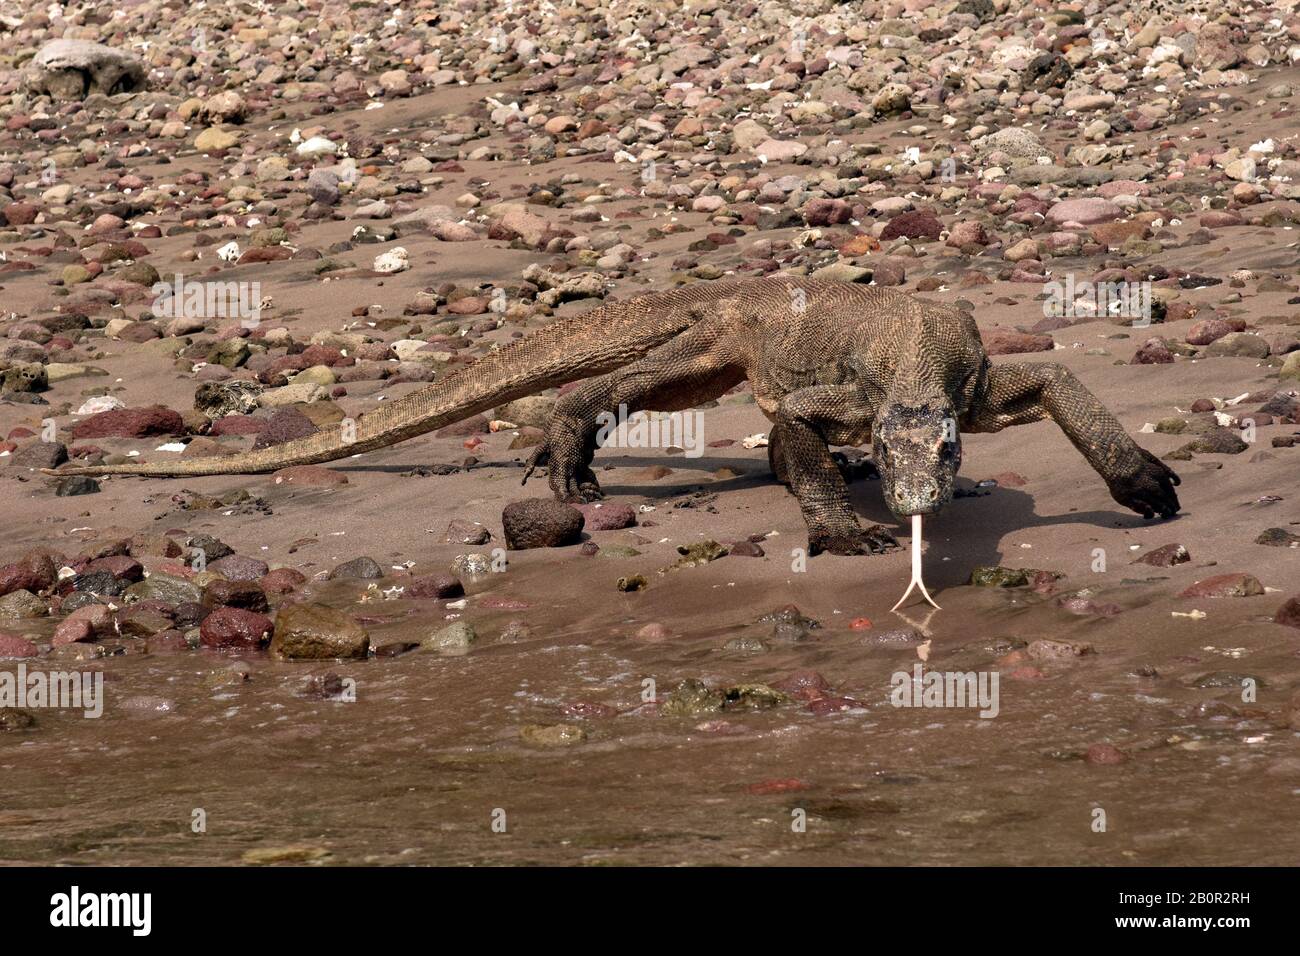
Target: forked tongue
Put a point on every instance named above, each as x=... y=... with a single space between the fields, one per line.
x=916 y=581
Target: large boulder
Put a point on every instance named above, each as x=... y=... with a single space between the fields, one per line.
x=73 y=69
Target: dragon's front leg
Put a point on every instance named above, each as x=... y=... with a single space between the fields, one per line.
x=1019 y=393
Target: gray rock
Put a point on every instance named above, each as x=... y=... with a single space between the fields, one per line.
x=71 y=69
x=456 y=636
x=363 y=567
x=219 y=399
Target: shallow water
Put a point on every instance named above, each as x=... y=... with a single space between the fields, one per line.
x=429 y=755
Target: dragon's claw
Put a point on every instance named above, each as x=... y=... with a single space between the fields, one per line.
x=1149 y=490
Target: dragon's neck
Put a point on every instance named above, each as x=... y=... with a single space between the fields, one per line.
x=919 y=370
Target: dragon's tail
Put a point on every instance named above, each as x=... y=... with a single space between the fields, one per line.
x=578 y=347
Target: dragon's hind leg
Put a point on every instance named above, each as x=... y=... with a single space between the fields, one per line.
x=696 y=367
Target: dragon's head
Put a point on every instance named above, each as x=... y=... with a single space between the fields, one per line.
x=917 y=450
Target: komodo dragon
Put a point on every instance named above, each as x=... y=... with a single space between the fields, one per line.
x=829 y=363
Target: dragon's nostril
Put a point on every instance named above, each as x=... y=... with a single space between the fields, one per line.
x=934 y=493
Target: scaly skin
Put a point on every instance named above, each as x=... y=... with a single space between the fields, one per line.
x=829 y=364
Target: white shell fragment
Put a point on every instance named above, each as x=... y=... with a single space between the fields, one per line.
x=916 y=581
x=394 y=260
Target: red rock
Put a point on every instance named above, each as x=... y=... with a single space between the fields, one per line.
x=1105 y=755
x=118 y=565
x=1165 y=556
x=167 y=641
x=106 y=222
x=1225 y=585
x=435 y=586
x=239 y=567
x=99 y=616
x=1115 y=234
x=325 y=355
x=12 y=645
x=73 y=631
x=1181 y=311
x=20 y=213
x=131 y=423
x=1210 y=330
x=282 y=581
x=860 y=624
x=234 y=627
x=653 y=633
x=1087 y=212
x=285 y=425
x=889 y=272
x=915 y=224
x=1122 y=187
x=34 y=571
x=859 y=246
x=787 y=785
x=246 y=595
x=602 y=516
x=265 y=254
x=1153 y=352
x=1219 y=219
x=968 y=233
x=469 y=305
x=540 y=523
x=1003 y=341
x=827 y=212
x=237 y=425
x=1289 y=613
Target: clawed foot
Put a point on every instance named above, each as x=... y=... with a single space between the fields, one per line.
x=875 y=539
x=570 y=480
x=1150 y=490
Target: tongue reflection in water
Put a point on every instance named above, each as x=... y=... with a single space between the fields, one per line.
x=916 y=581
